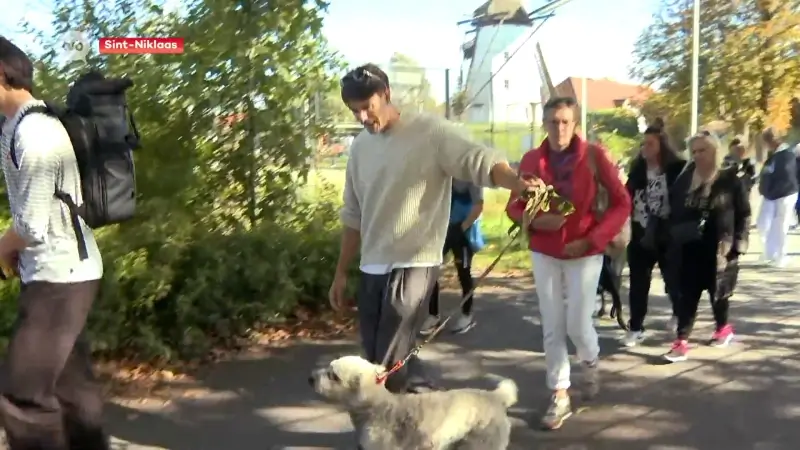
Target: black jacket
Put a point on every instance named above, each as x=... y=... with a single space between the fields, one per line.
x=726 y=233
x=637 y=185
x=745 y=170
x=779 y=175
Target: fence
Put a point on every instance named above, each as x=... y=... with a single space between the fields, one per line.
x=444 y=92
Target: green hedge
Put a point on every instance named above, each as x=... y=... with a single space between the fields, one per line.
x=173 y=290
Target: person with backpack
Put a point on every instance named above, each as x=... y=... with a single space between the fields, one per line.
x=66 y=172
x=567 y=251
x=463 y=239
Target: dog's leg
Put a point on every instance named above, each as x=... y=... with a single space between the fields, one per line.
x=602 y=311
x=495 y=436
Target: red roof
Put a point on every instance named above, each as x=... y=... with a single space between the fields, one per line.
x=603 y=93
x=231 y=119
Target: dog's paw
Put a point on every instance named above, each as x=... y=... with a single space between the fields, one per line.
x=613 y=312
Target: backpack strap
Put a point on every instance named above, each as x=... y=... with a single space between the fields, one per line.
x=38 y=109
x=600 y=204
x=74 y=214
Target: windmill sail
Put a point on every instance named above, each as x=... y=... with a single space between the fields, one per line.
x=548 y=90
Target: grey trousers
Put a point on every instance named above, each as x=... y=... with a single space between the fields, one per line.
x=49 y=398
x=395 y=303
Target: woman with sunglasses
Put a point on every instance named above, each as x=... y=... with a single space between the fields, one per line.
x=708 y=230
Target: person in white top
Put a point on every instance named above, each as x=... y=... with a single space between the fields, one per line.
x=50 y=399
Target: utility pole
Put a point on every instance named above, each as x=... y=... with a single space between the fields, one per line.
x=584 y=108
x=695 y=67
x=447 y=110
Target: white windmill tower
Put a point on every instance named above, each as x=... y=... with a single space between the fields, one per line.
x=497 y=29
x=503 y=81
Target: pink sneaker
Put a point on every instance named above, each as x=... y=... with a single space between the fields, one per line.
x=722 y=337
x=678 y=352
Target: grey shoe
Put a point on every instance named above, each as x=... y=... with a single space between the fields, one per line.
x=461 y=323
x=558 y=410
x=591 y=379
x=430 y=324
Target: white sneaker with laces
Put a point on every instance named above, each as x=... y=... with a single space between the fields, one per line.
x=672 y=324
x=633 y=338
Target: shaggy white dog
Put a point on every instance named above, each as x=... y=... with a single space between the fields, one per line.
x=459 y=419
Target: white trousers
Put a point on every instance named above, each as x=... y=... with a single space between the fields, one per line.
x=774 y=220
x=566 y=313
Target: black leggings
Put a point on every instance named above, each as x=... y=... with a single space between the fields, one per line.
x=456 y=243
x=691 y=291
x=641 y=262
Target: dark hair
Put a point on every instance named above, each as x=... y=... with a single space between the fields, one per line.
x=657 y=126
x=667 y=154
x=15 y=66
x=363 y=82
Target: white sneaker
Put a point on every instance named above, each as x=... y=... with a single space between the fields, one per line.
x=633 y=338
x=430 y=324
x=461 y=323
x=672 y=324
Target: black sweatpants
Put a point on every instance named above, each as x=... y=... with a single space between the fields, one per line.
x=641 y=262
x=456 y=243
x=50 y=399
x=395 y=304
x=721 y=290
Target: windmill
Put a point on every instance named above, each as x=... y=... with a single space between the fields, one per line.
x=497 y=88
x=495 y=26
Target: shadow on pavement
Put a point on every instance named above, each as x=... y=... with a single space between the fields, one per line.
x=743 y=397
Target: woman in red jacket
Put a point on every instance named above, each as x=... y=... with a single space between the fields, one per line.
x=568 y=251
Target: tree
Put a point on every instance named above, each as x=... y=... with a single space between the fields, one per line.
x=411 y=89
x=459 y=103
x=748 y=65
x=222 y=241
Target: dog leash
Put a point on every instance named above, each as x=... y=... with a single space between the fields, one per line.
x=537 y=200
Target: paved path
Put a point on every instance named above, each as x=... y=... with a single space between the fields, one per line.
x=746 y=397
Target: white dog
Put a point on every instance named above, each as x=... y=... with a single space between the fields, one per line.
x=458 y=419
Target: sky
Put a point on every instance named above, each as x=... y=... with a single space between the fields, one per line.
x=589 y=38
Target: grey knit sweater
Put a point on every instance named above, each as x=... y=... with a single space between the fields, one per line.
x=45 y=159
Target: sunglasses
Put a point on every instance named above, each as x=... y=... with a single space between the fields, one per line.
x=359 y=76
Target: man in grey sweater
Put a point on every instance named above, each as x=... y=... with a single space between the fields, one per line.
x=50 y=399
x=396 y=211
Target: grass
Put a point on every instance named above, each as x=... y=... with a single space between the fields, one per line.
x=494 y=222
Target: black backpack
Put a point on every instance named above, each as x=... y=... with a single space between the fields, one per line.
x=103 y=135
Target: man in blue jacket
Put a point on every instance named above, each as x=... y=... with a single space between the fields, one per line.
x=463 y=240
x=778 y=185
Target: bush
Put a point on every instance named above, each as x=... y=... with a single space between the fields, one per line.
x=618 y=121
x=173 y=290
x=619 y=146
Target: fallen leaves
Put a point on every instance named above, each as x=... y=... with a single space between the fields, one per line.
x=158 y=380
